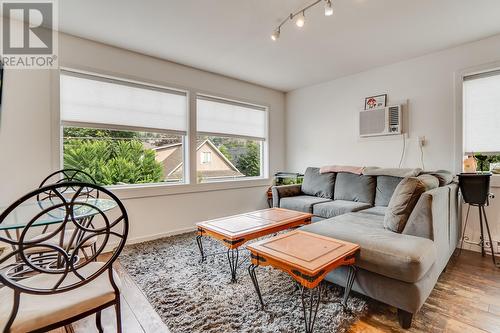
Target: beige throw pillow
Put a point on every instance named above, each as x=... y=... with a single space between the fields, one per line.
x=402 y=202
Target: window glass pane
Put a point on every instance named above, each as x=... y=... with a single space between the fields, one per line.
x=114 y=157
x=481 y=106
x=227 y=158
x=217 y=117
x=88 y=99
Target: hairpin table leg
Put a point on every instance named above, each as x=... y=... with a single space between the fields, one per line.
x=351 y=276
x=310 y=305
x=253 y=276
x=200 y=247
x=232 y=257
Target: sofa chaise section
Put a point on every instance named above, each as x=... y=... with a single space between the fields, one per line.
x=397 y=267
x=404 y=257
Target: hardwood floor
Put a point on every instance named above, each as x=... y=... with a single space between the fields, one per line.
x=138 y=316
x=465 y=299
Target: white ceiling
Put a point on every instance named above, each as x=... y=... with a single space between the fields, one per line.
x=232 y=37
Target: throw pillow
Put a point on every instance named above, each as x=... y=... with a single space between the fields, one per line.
x=403 y=201
x=358 y=188
x=444 y=177
x=386 y=185
x=319 y=185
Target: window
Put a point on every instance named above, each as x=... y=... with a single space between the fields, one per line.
x=481 y=106
x=234 y=134
x=206 y=157
x=121 y=132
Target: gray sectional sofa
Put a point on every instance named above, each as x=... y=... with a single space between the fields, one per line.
x=397 y=268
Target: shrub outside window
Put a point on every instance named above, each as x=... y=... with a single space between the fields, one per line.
x=122 y=133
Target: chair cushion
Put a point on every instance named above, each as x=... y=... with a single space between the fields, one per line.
x=302 y=203
x=38 y=311
x=403 y=201
x=377 y=210
x=351 y=187
x=338 y=207
x=401 y=257
x=385 y=189
x=317 y=184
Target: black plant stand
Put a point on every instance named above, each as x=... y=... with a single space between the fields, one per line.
x=475 y=191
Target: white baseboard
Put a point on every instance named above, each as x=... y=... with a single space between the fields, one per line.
x=147 y=238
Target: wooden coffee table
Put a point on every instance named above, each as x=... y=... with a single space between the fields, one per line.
x=234 y=231
x=308 y=258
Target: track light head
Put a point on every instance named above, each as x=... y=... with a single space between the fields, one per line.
x=275 y=35
x=301 y=20
x=328 y=8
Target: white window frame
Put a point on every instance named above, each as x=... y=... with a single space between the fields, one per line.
x=190 y=184
x=264 y=153
x=112 y=127
x=459 y=114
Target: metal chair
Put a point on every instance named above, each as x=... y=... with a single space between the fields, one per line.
x=64 y=176
x=64 y=289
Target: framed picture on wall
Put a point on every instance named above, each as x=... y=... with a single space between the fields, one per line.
x=375 y=102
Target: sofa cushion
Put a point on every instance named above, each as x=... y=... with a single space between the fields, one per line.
x=316 y=184
x=302 y=203
x=351 y=187
x=403 y=201
x=401 y=257
x=385 y=188
x=377 y=210
x=338 y=207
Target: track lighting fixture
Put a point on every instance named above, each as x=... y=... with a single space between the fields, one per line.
x=300 y=17
x=275 y=35
x=328 y=8
x=301 y=20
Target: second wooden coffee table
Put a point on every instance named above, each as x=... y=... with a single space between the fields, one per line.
x=234 y=231
x=308 y=258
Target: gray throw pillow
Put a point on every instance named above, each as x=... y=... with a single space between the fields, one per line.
x=386 y=185
x=319 y=185
x=358 y=188
x=403 y=201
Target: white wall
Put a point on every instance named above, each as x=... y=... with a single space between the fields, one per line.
x=322 y=119
x=28 y=135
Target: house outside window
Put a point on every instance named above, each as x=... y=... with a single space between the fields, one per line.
x=121 y=132
x=481 y=119
x=234 y=134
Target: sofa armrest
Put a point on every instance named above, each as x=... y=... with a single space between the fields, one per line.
x=436 y=217
x=285 y=191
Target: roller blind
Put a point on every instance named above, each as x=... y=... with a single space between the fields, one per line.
x=116 y=104
x=481 y=103
x=226 y=118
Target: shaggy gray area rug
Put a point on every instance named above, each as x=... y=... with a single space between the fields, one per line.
x=198 y=297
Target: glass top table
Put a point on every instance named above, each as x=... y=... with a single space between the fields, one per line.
x=22 y=215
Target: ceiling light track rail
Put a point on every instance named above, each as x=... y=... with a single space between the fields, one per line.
x=300 y=17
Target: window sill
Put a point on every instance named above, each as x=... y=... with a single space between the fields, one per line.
x=155 y=190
